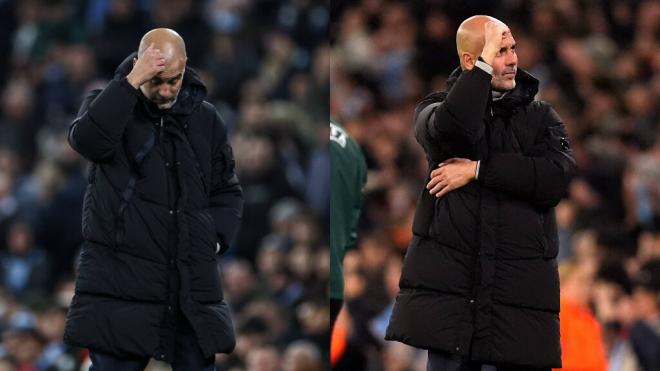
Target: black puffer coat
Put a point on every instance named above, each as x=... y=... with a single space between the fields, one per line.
x=162 y=194
x=480 y=276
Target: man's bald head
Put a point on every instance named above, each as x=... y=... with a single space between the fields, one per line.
x=470 y=36
x=167 y=40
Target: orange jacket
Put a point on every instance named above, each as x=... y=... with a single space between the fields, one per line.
x=581 y=338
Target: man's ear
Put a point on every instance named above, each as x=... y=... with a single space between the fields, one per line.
x=468 y=61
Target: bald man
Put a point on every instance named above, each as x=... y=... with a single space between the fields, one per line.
x=162 y=204
x=479 y=287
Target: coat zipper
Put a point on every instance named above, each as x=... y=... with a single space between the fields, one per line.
x=161 y=130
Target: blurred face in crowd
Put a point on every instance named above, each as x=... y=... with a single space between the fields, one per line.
x=263 y=359
x=6 y=365
x=301 y=356
x=470 y=42
x=20 y=239
x=646 y=303
x=51 y=324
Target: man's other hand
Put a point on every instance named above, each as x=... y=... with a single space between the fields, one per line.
x=148 y=65
x=450 y=175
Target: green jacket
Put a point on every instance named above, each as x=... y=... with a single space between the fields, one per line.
x=348 y=177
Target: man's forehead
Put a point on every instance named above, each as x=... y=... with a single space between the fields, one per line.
x=164 y=75
x=172 y=69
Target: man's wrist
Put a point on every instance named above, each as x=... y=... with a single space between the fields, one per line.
x=133 y=81
x=484 y=66
x=476 y=170
x=487 y=56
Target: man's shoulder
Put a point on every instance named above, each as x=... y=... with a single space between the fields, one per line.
x=539 y=106
x=210 y=114
x=207 y=107
x=341 y=140
x=345 y=152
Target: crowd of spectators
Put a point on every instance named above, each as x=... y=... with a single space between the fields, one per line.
x=598 y=64
x=266 y=66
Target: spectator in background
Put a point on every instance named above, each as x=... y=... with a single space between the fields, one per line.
x=116 y=34
x=582 y=338
x=56 y=356
x=24 y=347
x=18 y=126
x=7 y=365
x=348 y=176
x=263 y=358
x=645 y=332
x=302 y=356
x=8 y=206
x=24 y=268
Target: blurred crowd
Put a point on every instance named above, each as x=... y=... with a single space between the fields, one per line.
x=599 y=66
x=266 y=66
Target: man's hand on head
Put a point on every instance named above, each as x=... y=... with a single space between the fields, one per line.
x=146 y=66
x=450 y=175
x=494 y=33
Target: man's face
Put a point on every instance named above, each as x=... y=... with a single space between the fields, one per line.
x=164 y=87
x=505 y=65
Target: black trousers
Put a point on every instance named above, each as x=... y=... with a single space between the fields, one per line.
x=187 y=357
x=442 y=361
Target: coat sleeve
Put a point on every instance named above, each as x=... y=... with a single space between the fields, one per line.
x=541 y=178
x=458 y=118
x=97 y=130
x=226 y=194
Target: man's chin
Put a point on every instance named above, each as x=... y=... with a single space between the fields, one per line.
x=166 y=105
x=508 y=86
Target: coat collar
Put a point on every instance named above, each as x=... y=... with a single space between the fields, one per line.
x=192 y=93
x=526 y=88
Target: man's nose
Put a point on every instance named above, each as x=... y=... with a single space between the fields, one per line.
x=511 y=58
x=164 y=91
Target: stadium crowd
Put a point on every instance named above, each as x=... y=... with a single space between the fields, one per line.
x=266 y=66
x=599 y=66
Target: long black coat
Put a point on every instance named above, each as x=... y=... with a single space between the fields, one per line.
x=480 y=276
x=162 y=194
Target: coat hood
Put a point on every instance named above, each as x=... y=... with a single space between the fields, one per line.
x=192 y=93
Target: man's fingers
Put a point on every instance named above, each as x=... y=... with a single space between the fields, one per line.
x=434 y=180
x=444 y=191
x=436 y=172
x=438 y=187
